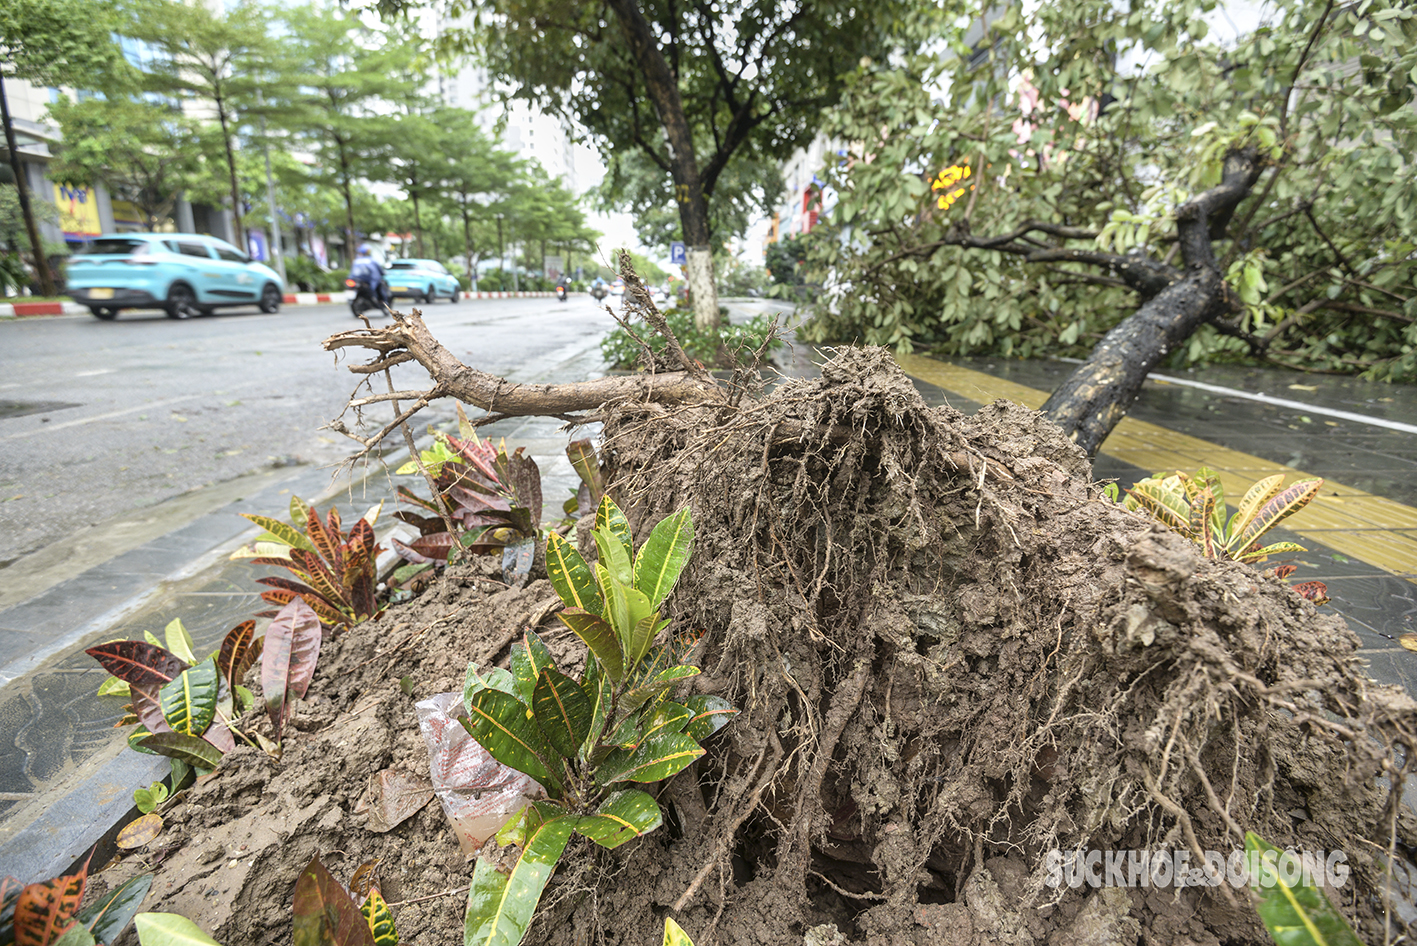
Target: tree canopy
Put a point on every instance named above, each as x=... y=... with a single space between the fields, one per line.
x=1028 y=192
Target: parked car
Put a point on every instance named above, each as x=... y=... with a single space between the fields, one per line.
x=421 y=279
x=184 y=274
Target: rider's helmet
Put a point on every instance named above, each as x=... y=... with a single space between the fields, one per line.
x=364 y=250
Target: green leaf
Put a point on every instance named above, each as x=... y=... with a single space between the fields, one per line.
x=299 y=512
x=194 y=751
x=75 y=935
x=667 y=717
x=325 y=913
x=189 y=702
x=711 y=713
x=494 y=679
x=147 y=799
x=655 y=759
x=623 y=816
x=179 y=642
x=599 y=637
x=643 y=635
x=1283 y=505
x=655 y=686
x=500 y=906
x=110 y=915
x=1165 y=504
x=664 y=556
x=529 y=658
x=500 y=725
x=601 y=694
x=1294 y=916
x=612 y=522
x=169 y=929
x=562 y=710
x=613 y=559
x=1258 y=554
x=625 y=608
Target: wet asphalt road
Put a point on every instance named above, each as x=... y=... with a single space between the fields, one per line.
x=98 y=419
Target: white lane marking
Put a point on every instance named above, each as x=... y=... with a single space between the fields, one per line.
x=152 y=405
x=90 y=374
x=1285 y=402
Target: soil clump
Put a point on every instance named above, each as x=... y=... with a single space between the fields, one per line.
x=952 y=657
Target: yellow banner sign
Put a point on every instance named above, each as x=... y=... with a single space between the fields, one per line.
x=78 y=211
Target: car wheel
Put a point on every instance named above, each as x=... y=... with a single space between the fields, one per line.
x=107 y=313
x=181 y=302
x=270 y=299
x=455 y=296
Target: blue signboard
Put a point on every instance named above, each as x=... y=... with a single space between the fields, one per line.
x=677 y=256
x=256 y=246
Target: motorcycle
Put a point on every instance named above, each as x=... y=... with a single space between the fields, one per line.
x=599 y=292
x=364 y=298
x=561 y=293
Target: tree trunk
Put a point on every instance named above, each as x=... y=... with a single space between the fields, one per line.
x=41 y=262
x=417 y=218
x=1097 y=395
x=237 y=229
x=684 y=166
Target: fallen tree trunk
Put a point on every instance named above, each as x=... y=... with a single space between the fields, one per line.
x=1098 y=394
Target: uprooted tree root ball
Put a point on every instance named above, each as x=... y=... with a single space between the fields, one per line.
x=952 y=657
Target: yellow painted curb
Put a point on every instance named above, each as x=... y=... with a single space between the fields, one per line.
x=1348 y=520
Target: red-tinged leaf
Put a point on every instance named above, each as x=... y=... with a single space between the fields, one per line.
x=407 y=495
x=138 y=663
x=1315 y=591
x=323 y=609
x=361 y=538
x=288 y=661
x=219 y=735
x=421 y=551
x=477 y=502
x=325 y=914
x=239 y=651
x=322 y=579
x=294 y=587
x=48 y=908
x=326 y=545
x=1284 y=571
x=148 y=708
x=656 y=758
x=711 y=713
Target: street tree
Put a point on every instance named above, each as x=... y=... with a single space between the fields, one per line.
x=692 y=87
x=145 y=152
x=343 y=80
x=476 y=180
x=213 y=57
x=1115 y=182
x=51 y=43
x=416 y=158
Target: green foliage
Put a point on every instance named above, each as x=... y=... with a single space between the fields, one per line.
x=723 y=346
x=58 y=42
x=170 y=929
x=1062 y=130
x=587 y=741
x=1295 y=915
x=786 y=259
x=148 y=799
x=338 y=571
x=1194 y=505
x=183 y=707
x=674 y=934
x=308 y=276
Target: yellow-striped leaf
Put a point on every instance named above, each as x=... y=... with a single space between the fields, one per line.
x=277 y=531
x=500 y=725
x=623 y=816
x=1294 y=915
x=529 y=658
x=1255 y=497
x=562 y=710
x=599 y=637
x=1254 y=554
x=610 y=520
x=380 y=919
x=711 y=713
x=1165 y=505
x=500 y=906
x=571 y=576
x=1280 y=507
x=674 y=934
x=189 y=702
x=655 y=759
x=664 y=555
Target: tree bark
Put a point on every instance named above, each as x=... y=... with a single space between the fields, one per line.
x=41 y=262
x=689 y=196
x=236 y=226
x=1097 y=395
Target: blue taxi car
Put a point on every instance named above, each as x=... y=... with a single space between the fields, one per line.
x=184 y=274
x=421 y=279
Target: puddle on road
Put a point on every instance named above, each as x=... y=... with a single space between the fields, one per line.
x=22 y=408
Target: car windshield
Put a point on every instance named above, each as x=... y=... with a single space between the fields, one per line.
x=403 y=264
x=115 y=246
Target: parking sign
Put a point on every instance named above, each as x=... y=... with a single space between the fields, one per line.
x=677 y=256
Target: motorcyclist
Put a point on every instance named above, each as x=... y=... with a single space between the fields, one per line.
x=366 y=270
